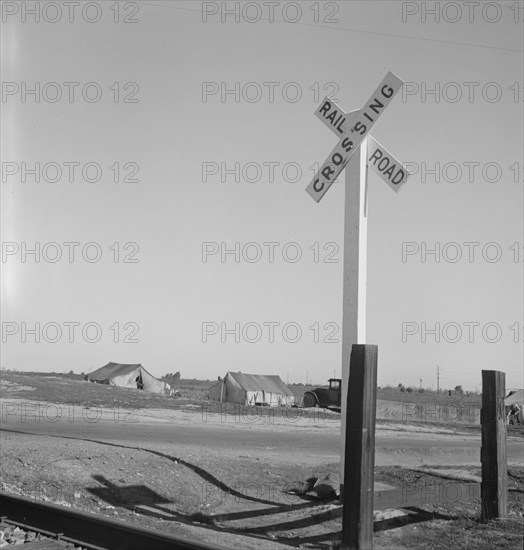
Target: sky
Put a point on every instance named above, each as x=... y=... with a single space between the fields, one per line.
x=158 y=168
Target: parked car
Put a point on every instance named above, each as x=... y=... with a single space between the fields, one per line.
x=327 y=398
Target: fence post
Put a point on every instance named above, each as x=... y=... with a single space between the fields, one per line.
x=359 y=456
x=494 y=486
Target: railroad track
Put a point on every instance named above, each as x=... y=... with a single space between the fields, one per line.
x=85 y=530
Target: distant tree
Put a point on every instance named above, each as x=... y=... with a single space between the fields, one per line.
x=409 y=389
x=459 y=390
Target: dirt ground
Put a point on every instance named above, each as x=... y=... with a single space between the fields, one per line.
x=236 y=499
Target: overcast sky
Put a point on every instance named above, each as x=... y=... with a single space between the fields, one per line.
x=190 y=137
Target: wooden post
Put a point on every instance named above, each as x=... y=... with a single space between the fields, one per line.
x=357 y=501
x=354 y=285
x=494 y=487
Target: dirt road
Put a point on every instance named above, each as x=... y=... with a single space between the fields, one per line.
x=315 y=439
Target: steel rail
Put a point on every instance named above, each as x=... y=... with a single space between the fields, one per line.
x=50 y=535
x=92 y=530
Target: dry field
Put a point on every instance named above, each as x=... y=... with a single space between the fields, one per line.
x=232 y=494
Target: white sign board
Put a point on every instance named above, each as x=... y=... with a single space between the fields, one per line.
x=379 y=158
x=353 y=136
x=386 y=165
x=334 y=117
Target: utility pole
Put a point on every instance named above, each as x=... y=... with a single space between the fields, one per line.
x=420 y=382
x=307 y=378
x=438 y=378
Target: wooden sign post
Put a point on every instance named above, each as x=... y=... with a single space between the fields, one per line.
x=357 y=510
x=356 y=153
x=494 y=487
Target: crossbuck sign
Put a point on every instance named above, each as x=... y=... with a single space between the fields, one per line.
x=353 y=128
x=356 y=151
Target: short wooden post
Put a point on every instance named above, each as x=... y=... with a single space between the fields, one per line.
x=494 y=486
x=359 y=457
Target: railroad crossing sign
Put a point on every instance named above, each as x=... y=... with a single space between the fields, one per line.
x=356 y=151
x=353 y=128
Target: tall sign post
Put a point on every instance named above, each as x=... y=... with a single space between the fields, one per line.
x=357 y=151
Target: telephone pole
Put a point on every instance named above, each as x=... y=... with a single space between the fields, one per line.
x=438 y=378
x=420 y=382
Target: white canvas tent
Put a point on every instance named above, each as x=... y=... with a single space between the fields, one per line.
x=128 y=376
x=252 y=389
